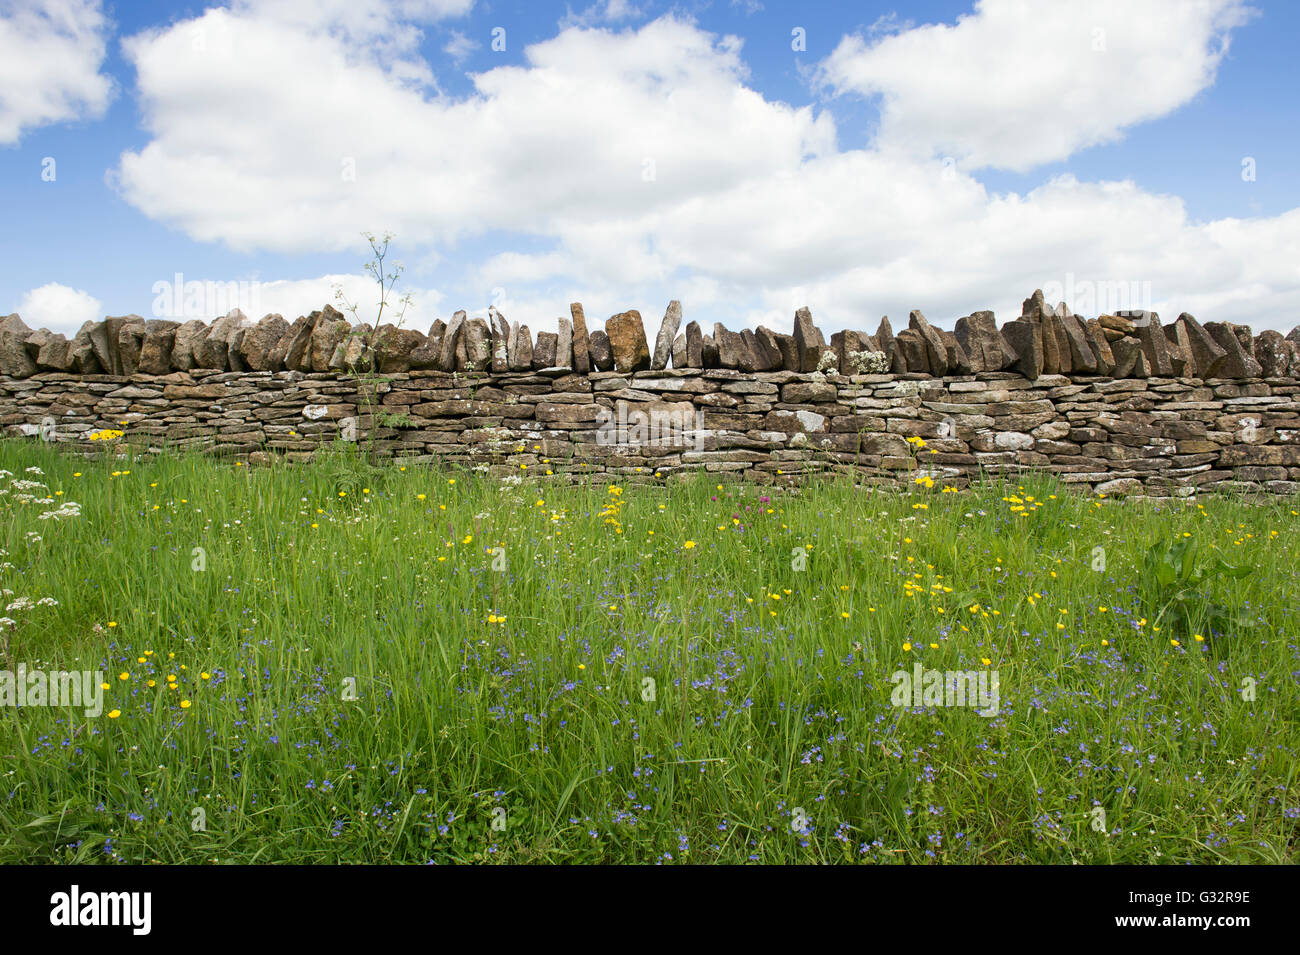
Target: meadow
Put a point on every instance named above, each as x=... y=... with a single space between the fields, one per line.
x=336 y=662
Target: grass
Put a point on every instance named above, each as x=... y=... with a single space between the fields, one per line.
x=364 y=686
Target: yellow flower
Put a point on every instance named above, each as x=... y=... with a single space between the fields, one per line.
x=845 y=616
x=103 y=686
x=151 y=683
x=114 y=714
x=112 y=623
x=907 y=648
x=1175 y=643
x=689 y=544
x=419 y=497
x=124 y=675
x=986 y=661
x=582 y=666
x=185 y=704
x=1105 y=643
x=203 y=676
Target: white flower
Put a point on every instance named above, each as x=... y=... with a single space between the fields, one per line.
x=8 y=622
x=34 y=470
x=22 y=603
x=47 y=602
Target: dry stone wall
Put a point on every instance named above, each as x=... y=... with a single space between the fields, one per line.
x=1116 y=404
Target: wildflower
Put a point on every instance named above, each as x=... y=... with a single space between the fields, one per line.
x=114 y=714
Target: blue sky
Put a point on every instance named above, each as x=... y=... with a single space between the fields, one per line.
x=941 y=156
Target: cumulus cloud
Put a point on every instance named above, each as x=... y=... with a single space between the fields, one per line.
x=626 y=167
x=59 y=308
x=1016 y=84
x=50 y=67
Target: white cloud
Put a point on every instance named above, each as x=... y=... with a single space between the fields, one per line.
x=59 y=308
x=646 y=168
x=51 y=52
x=606 y=11
x=1017 y=84
x=459 y=46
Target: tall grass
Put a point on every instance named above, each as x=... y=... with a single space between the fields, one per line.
x=508 y=714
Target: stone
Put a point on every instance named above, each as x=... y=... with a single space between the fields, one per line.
x=1236 y=362
x=886 y=342
x=83 y=352
x=667 y=335
x=581 y=340
x=1194 y=340
x=679 y=351
x=451 y=348
x=259 y=342
x=1154 y=345
x=694 y=346
x=188 y=338
x=1119 y=487
x=1178 y=360
x=978 y=335
x=768 y=344
x=130 y=340
x=235 y=345
x=848 y=346
x=709 y=350
x=521 y=350
x=328 y=334
x=628 y=342
x=808 y=341
x=478 y=345
x=936 y=350
x=115 y=323
x=958 y=360
x=1083 y=359
x=500 y=341
x=1115 y=323
x=564 y=344
x=1128 y=357
x=809 y=392
x=602 y=354
x=755 y=357
x=544 y=352
x=1025 y=340
x=425 y=356
x=1272 y=354
x=1100 y=347
x=915 y=351
x=54 y=354
x=731 y=347
x=352 y=354
x=394 y=347
x=98 y=334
